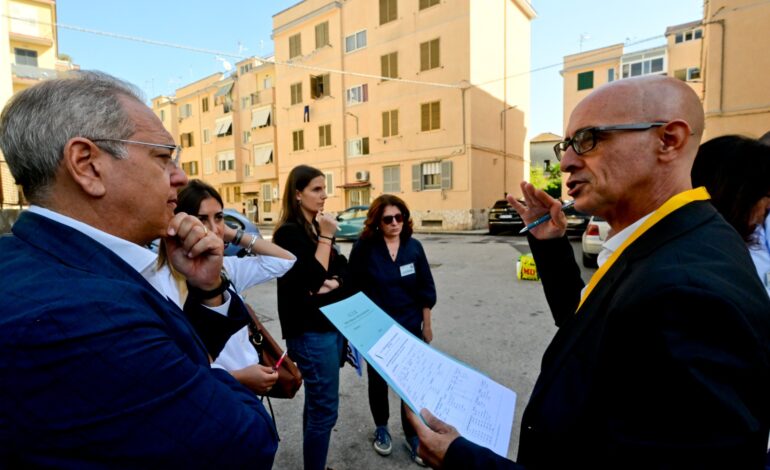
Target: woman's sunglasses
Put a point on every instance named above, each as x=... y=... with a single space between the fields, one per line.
x=388 y=219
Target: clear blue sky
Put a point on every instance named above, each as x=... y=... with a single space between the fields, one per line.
x=243 y=27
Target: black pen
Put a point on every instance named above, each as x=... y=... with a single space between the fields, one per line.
x=546 y=217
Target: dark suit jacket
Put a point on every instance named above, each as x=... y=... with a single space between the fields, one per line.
x=664 y=366
x=99 y=370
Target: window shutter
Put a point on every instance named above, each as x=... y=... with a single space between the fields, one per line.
x=425 y=117
x=313 y=86
x=383 y=11
x=424 y=56
x=384 y=66
x=424 y=4
x=365 y=146
x=446 y=175
x=434 y=53
x=364 y=92
x=394 y=65
x=394 y=122
x=326 y=85
x=321 y=139
x=416 y=177
x=301 y=140
x=386 y=124
x=435 y=115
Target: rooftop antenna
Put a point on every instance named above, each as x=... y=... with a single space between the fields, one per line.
x=583 y=38
x=225 y=64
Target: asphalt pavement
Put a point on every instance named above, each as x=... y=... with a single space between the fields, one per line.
x=484 y=317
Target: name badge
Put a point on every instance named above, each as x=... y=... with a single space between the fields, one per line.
x=407 y=269
x=767 y=278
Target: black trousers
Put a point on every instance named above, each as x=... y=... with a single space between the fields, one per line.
x=378 y=402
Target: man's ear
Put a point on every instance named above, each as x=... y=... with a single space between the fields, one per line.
x=673 y=138
x=84 y=162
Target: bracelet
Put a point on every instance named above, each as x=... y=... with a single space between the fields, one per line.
x=237 y=238
x=200 y=294
x=324 y=243
x=251 y=244
x=328 y=238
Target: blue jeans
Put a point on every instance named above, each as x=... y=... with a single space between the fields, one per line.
x=318 y=357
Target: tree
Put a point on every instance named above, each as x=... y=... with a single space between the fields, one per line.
x=548 y=179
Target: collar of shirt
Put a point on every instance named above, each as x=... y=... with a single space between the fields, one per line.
x=138 y=257
x=613 y=243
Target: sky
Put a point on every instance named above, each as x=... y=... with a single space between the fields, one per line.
x=241 y=28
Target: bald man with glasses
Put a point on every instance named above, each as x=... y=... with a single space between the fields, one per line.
x=98 y=368
x=663 y=359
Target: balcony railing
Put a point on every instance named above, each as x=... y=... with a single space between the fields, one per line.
x=33 y=72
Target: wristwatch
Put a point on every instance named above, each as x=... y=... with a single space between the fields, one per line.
x=201 y=294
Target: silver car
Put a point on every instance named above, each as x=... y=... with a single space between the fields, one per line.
x=593 y=237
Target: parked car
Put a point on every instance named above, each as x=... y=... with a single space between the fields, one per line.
x=351 y=222
x=503 y=217
x=593 y=237
x=236 y=220
x=576 y=221
x=233 y=219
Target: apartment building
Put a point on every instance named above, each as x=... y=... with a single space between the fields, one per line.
x=28 y=54
x=426 y=99
x=722 y=56
x=225 y=124
x=541 y=150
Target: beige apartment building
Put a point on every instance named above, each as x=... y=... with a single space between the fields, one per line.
x=28 y=54
x=722 y=56
x=426 y=99
x=225 y=124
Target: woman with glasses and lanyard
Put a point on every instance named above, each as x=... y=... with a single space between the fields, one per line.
x=314 y=281
x=390 y=267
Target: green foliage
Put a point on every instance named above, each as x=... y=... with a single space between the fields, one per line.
x=549 y=180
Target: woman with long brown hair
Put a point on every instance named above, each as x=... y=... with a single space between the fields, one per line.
x=315 y=280
x=390 y=267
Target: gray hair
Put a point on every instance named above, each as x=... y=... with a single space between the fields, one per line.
x=38 y=122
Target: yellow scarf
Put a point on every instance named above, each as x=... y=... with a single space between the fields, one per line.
x=677 y=201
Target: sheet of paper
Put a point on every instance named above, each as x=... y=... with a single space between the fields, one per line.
x=480 y=408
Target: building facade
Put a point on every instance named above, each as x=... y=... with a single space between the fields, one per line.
x=28 y=54
x=426 y=99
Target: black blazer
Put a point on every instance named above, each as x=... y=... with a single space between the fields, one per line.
x=666 y=364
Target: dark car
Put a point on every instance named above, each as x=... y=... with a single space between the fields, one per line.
x=503 y=217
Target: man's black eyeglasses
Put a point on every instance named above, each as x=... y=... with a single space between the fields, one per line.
x=585 y=140
x=388 y=219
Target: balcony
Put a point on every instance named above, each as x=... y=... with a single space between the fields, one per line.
x=26 y=73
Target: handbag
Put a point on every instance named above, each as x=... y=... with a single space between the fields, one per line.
x=289 y=376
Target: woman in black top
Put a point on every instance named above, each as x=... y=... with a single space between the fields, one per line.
x=390 y=267
x=314 y=281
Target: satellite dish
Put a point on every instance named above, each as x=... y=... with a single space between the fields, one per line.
x=225 y=64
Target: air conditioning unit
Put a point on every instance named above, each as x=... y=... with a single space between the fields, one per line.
x=362 y=175
x=275 y=193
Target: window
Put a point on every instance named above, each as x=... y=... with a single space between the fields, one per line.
x=185 y=111
x=432 y=175
x=429 y=55
x=261 y=117
x=641 y=67
x=186 y=140
x=25 y=57
x=190 y=168
x=693 y=73
x=205 y=104
x=208 y=167
x=355 y=41
x=162 y=115
x=245 y=102
x=389 y=65
x=680 y=74
x=299 y=140
x=428 y=3
x=224 y=126
x=254 y=97
x=679 y=38
x=319 y=86
x=430 y=116
x=296 y=93
x=263 y=154
x=325 y=135
x=267 y=83
x=246 y=137
x=388 y=11
x=295 y=46
x=357 y=94
x=226 y=161
x=611 y=75
x=390 y=123
x=698 y=34
x=206 y=136
x=358 y=147
x=237 y=193
x=322 y=35
x=585 y=80
x=267 y=197
x=391 y=179
x=246 y=68
x=329 y=184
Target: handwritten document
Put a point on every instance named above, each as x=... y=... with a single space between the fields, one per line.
x=480 y=408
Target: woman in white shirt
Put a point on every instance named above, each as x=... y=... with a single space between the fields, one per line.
x=269 y=261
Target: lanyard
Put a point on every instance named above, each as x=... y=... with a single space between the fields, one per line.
x=677 y=201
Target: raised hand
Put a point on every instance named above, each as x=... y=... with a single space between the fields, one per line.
x=194 y=251
x=536 y=204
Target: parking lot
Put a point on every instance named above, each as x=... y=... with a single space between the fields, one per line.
x=484 y=317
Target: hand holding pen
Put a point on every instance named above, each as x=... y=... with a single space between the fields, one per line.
x=542 y=213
